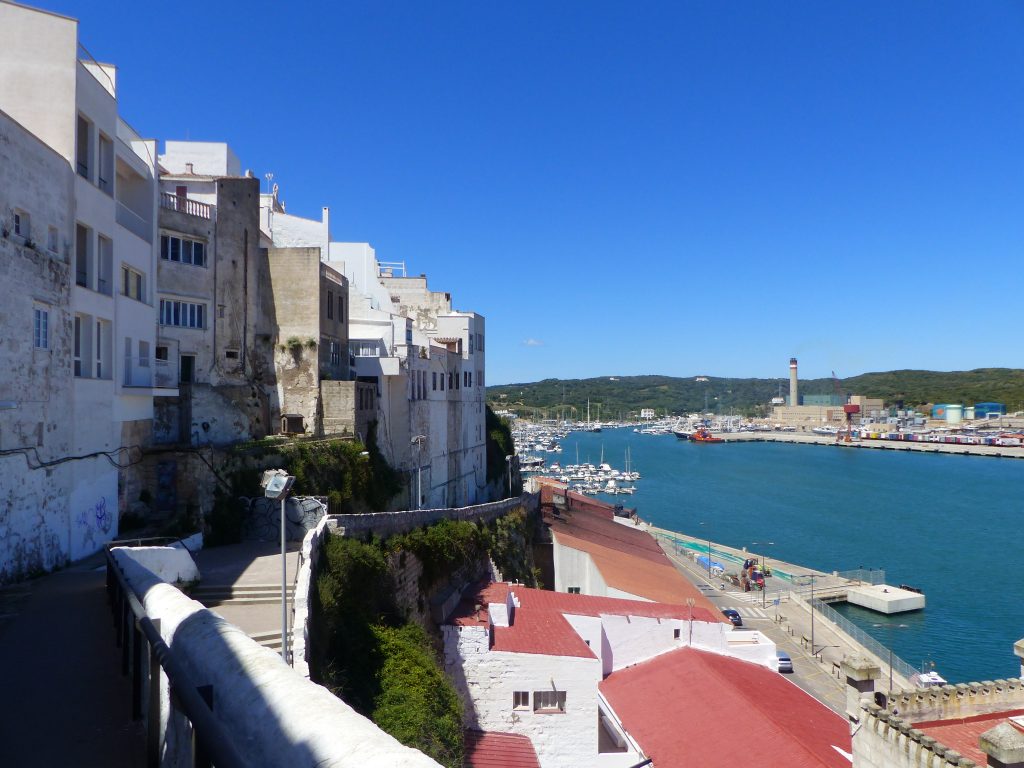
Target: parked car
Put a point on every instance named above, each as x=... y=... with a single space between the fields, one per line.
x=733 y=615
x=785 y=663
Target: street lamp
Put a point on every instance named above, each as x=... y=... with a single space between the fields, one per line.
x=812 y=577
x=508 y=460
x=418 y=442
x=276 y=483
x=764 y=576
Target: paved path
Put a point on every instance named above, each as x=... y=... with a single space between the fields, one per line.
x=63 y=701
x=786 y=624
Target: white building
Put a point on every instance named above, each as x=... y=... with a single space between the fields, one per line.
x=531 y=662
x=60 y=94
x=425 y=359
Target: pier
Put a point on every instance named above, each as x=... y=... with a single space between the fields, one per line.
x=793 y=610
x=809 y=438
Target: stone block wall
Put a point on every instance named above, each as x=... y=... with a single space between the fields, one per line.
x=885 y=740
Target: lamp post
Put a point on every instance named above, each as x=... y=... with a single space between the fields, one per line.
x=764 y=576
x=508 y=460
x=418 y=442
x=812 y=577
x=276 y=484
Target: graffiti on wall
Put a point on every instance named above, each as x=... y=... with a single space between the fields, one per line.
x=263 y=518
x=93 y=515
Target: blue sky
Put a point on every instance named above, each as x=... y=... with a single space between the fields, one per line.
x=631 y=188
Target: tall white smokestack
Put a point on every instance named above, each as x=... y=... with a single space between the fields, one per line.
x=793 y=400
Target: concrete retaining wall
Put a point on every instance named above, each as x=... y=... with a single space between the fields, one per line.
x=275 y=716
x=384 y=524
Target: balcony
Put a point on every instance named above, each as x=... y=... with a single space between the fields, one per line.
x=138 y=372
x=133 y=222
x=172 y=202
x=166 y=374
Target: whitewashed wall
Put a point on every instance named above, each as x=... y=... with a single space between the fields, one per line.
x=575 y=568
x=486 y=681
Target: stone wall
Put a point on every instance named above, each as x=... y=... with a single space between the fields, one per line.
x=341 y=412
x=884 y=740
x=384 y=524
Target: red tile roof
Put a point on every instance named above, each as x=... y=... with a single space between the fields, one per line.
x=628 y=558
x=499 y=750
x=539 y=624
x=962 y=734
x=718 y=710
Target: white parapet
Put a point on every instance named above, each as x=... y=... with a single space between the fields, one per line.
x=885 y=599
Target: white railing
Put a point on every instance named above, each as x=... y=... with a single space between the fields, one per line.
x=138 y=372
x=166 y=374
x=182 y=204
x=133 y=222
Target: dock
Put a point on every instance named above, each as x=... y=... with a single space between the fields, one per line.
x=809 y=438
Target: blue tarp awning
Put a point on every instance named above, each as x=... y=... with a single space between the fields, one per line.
x=702 y=561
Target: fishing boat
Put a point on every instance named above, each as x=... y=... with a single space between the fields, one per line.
x=705 y=436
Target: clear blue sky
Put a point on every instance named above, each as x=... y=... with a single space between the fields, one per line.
x=629 y=188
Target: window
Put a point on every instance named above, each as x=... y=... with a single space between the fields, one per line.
x=574 y=590
x=105 y=266
x=433 y=376
x=341 y=309
x=131 y=284
x=520 y=700
x=100 y=346
x=183 y=314
x=83 y=255
x=364 y=348
x=161 y=353
x=330 y=305
x=549 y=701
x=450 y=383
x=106 y=166
x=40 y=328
x=675 y=634
x=51 y=240
x=144 y=354
x=183 y=250
x=456 y=379
x=442 y=381
x=231 y=354
x=83 y=147
x=78 y=345
x=22 y=225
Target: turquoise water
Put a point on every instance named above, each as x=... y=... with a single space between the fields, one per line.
x=949 y=525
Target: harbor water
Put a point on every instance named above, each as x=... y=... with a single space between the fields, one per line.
x=948 y=525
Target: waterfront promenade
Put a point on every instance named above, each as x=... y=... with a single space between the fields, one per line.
x=810 y=438
x=788 y=622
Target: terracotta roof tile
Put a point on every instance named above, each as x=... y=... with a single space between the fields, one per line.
x=539 y=624
x=962 y=734
x=499 y=750
x=711 y=706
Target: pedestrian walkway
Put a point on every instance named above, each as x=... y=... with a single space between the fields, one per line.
x=63 y=700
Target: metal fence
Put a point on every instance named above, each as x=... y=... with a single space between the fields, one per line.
x=865 y=575
x=885 y=655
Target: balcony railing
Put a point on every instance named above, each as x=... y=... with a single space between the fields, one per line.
x=184 y=205
x=133 y=222
x=166 y=374
x=138 y=372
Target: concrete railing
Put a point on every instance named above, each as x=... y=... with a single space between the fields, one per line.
x=257 y=708
x=384 y=524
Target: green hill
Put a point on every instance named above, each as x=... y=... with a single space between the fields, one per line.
x=622 y=396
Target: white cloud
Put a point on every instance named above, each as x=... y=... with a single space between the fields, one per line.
x=533 y=343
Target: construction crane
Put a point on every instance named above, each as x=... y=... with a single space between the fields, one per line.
x=848 y=409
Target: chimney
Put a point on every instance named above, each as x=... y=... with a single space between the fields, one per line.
x=188 y=169
x=1004 y=746
x=860 y=684
x=793 y=398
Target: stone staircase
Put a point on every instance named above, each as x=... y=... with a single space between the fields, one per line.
x=242 y=596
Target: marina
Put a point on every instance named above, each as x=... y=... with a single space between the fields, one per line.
x=928 y=518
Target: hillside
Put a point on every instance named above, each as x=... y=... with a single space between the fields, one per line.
x=617 y=396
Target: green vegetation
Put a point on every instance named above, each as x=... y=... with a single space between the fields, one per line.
x=499 y=445
x=625 y=395
x=383 y=666
x=353 y=477
x=369 y=654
